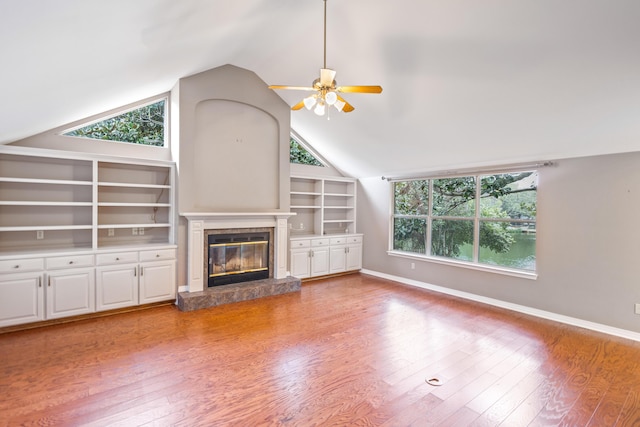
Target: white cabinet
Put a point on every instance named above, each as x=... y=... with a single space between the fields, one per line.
x=157 y=281
x=309 y=257
x=300 y=258
x=21 y=298
x=129 y=278
x=346 y=253
x=70 y=292
x=319 y=256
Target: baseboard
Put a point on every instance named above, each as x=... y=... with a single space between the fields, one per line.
x=610 y=330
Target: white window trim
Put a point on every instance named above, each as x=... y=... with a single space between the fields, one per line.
x=523 y=274
x=307 y=147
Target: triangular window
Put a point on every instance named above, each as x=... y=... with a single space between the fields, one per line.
x=144 y=125
x=300 y=154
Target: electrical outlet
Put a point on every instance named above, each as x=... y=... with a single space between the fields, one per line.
x=141 y=231
x=134 y=231
x=111 y=232
x=39 y=234
x=637 y=308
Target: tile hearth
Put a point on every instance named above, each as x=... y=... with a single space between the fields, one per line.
x=235 y=292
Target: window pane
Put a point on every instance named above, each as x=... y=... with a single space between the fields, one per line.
x=509 y=195
x=411 y=197
x=299 y=154
x=409 y=235
x=454 y=196
x=448 y=237
x=144 y=126
x=508 y=245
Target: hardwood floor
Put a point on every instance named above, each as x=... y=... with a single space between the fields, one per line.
x=348 y=351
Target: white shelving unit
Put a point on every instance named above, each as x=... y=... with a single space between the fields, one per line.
x=323 y=238
x=45 y=203
x=63 y=214
x=134 y=204
x=323 y=205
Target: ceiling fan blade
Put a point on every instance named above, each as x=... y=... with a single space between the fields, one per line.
x=359 y=89
x=291 y=87
x=298 y=106
x=327 y=75
x=347 y=107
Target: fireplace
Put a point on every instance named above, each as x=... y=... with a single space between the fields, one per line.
x=235 y=257
x=201 y=225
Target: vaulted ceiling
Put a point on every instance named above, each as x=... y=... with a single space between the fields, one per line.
x=466 y=82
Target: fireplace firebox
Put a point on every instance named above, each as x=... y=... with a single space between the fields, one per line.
x=238 y=257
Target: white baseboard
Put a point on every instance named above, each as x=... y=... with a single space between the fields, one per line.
x=610 y=330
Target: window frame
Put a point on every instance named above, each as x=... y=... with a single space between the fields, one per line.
x=477 y=220
x=304 y=144
x=120 y=111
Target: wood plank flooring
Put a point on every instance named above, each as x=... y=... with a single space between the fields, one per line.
x=348 y=351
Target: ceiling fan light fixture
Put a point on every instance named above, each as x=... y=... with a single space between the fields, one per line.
x=326 y=91
x=309 y=101
x=331 y=98
x=320 y=108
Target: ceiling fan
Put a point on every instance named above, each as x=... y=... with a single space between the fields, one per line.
x=327 y=91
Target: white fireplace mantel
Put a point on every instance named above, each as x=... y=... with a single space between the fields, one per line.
x=201 y=221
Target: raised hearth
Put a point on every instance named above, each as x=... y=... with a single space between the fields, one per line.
x=226 y=294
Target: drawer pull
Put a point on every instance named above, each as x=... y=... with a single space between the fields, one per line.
x=117 y=258
x=157 y=255
x=39 y=281
x=16 y=266
x=70 y=262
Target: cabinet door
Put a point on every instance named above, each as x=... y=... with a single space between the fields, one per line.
x=116 y=286
x=319 y=261
x=70 y=292
x=354 y=257
x=338 y=259
x=300 y=263
x=157 y=281
x=21 y=298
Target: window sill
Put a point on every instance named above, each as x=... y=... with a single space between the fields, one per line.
x=481 y=267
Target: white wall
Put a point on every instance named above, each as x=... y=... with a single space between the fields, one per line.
x=588 y=243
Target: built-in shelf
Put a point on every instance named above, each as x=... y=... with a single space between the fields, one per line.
x=73 y=197
x=324 y=205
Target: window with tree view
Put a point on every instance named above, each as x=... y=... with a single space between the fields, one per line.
x=300 y=155
x=144 y=126
x=485 y=219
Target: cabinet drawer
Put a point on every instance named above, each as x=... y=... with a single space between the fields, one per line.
x=70 y=261
x=319 y=242
x=338 y=240
x=297 y=244
x=117 y=258
x=21 y=265
x=158 y=255
x=354 y=239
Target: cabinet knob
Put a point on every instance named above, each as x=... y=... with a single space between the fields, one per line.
x=157 y=255
x=16 y=266
x=70 y=262
x=117 y=258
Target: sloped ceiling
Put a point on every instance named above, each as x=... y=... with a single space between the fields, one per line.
x=466 y=82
